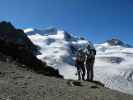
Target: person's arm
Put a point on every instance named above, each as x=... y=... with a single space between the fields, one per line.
x=75 y=63
x=89 y=53
x=94 y=51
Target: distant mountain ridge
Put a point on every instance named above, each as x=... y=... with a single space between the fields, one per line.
x=33 y=31
x=50 y=31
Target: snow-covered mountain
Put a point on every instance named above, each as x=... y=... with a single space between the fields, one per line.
x=58 y=49
x=113 y=65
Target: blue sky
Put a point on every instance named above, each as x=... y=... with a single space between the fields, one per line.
x=97 y=20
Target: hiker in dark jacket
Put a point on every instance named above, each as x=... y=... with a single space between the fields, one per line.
x=79 y=64
x=90 y=58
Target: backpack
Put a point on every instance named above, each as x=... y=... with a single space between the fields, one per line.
x=91 y=53
x=80 y=56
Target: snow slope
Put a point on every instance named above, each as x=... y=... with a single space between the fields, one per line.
x=113 y=65
x=57 y=49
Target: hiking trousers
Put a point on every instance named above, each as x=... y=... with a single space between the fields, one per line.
x=89 y=68
x=80 y=70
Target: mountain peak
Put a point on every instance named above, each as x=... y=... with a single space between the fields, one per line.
x=47 y=31
x=117 y=42
x=6 y=27
x=58 y=33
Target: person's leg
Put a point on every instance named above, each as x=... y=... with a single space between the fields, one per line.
x=88 y=70
x=89 y=78
x=78 y=71
x=83 y=71
x=92 y=72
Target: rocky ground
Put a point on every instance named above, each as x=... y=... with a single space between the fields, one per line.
x=17 y=83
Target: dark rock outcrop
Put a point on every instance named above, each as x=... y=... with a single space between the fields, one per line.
x=9 y=33
x=16 y=44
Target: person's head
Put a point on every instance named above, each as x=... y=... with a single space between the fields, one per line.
x=88 y=46
x=79 y=50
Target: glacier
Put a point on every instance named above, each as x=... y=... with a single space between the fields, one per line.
x=113 y=65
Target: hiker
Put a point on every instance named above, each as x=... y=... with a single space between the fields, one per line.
x=79 y=64
x=90 y=58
